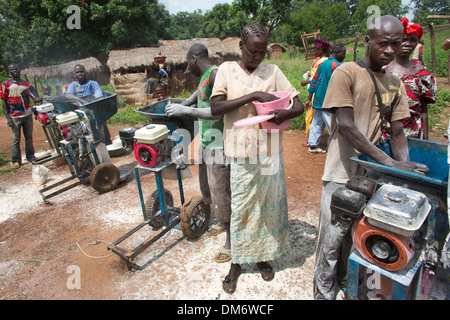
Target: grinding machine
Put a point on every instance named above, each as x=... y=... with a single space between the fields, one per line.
x=399 y=222
x=76 y=128
x=161 y=147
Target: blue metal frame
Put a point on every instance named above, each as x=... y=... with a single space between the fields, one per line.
x=434 y=186
x=401 y=279
x=128 y=255
x=160 y=188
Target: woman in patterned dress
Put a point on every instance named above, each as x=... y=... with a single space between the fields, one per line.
x=420 y=85
x=259 y=217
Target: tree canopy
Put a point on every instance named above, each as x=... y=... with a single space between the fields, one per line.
x=37 y=32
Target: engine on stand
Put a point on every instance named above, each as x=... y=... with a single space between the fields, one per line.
x=80 y=147
x=399 y=221
x=79 y=136
x=153 y=145
x=45 y=114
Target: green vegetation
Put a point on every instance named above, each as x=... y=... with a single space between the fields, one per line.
x=35 y=33
x=4 y=164
x=127 y=116
x=294 y=65
x=440 y=54
x=38 y=33
x=439 y=111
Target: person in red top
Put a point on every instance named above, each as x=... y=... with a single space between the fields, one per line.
x=420 y=85
x=16 y=95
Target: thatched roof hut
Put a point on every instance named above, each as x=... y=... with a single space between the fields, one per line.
x=275 y=50
x=121 y=61
x=131 y=68
x=96 y=71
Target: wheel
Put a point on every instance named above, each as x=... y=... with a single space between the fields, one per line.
x=105 y=177
x=194 y=217
x=152 y=207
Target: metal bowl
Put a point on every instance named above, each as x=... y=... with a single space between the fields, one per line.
x=124 y=173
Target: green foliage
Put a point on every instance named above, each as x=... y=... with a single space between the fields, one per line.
x=184 y=25
x=360 y=17
x=35 y=32
x=216 y=23
x=424 y=8
x=329 y=16
x=4 y=164
x=269 y=13
x=436 y=110
x=3 y=160
x=440 y=54
x=127 y=116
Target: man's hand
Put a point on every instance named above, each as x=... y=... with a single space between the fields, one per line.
x=409 y=166
x=9 y=122
x=175 y=109
x=308 y=105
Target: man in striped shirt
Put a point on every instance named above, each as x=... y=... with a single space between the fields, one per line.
x=16 y=95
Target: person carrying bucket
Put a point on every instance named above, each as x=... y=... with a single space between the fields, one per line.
x=259 y=218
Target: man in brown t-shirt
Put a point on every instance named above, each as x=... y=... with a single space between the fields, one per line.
x=356 y=128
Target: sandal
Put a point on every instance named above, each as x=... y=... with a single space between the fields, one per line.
x=16 y=165
x=228 y=285
x=224 y=255
x=215 y=230
x=267 y=272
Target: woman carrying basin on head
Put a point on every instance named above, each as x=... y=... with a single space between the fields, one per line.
x=259 y=202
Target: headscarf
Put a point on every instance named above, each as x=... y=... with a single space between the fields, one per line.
x=320 y=44
x=412 y=28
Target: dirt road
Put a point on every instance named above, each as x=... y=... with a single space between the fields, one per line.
x=46 y=251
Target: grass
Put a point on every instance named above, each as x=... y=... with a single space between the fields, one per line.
x=126 y=116
x=4 y=164
x=439 y=111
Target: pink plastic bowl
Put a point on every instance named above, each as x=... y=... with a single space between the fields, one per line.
x=284 y=102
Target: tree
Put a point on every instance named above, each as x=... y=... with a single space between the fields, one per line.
x=331 y=17
x=35 y=32
x=269 y=13
x=424 y=8
x=215 y=24
x=387 y=7
x=184 y=25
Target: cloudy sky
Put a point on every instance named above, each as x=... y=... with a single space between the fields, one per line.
x=174 y=6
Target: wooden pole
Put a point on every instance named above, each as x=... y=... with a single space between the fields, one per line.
x=355 y=47
x=433 y=56
x=438 y=17
x=433 y=59
x=448 y=68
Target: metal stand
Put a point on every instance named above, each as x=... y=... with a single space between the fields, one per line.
x=53 y=137
x=401 y=279
x=129 y=255
x=76 y=172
